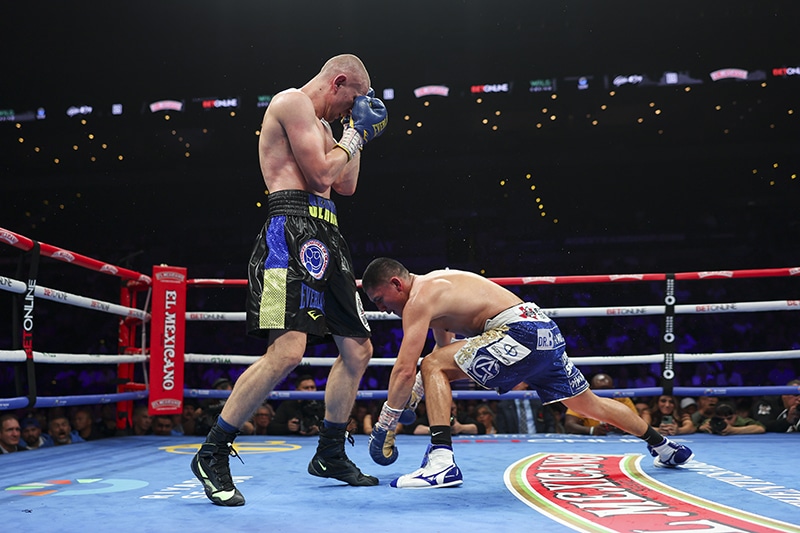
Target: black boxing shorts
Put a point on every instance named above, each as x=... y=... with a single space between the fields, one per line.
x=300 y=275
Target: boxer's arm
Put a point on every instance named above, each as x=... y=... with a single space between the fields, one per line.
x=416 y=323
x=443 y=337
x=321 y=168
x=348 y=180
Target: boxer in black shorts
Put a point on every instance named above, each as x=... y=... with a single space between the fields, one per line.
x=300 y=275
x=301 y=282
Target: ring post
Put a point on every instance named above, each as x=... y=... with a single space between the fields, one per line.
x=668 y=338
x=167 y=336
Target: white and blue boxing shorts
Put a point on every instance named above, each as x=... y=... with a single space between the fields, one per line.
x=522 y=344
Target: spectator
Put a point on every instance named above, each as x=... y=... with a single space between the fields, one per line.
x=578 y=424
x=141 y=422
x=726 y=422
x=485 y=416
x=666 y=417
x=535 y=417
x=84 y=425
x=460 y=424
x=779 y=414
x=299 y=417
x=32 y=435
x=185 y=424
x=357 y=417
x=688 y=406
x=207 y=414
x=262 y=419
x=106 y=426
x=705 y=409
x=163 y=425
x=61 y=431
x=10 y=434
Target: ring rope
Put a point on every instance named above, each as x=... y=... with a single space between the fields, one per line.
x=24 y=243
x=594 y=278
x=18 y=287
x=567 y=312
x=63 y=401
x=138 y=280
x=494 y=395
x=16 y=356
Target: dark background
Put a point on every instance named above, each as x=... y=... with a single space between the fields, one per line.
x=709 y=183
x=685 y=190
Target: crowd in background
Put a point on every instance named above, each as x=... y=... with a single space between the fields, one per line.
x=619 y=335
x=30 y=429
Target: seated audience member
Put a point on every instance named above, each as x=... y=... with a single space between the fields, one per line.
x=725 y=421
x=106 y=426
x=163 y=425
x=10 y=434
x=206 y=415
x=360 y=417
x=666 y=417
x=705 y=409
x=688 y=406
x=578 y=424
x=262 y=419
x=299 y=417
x=32 y=436
x=83 y=424
x=524 y=415
x=460 y=423
x=779 y=414
x=485 y=415
x=141 y=422
x=60 y=430
x=184 y=423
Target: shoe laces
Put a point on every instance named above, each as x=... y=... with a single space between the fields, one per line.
x=220 y=464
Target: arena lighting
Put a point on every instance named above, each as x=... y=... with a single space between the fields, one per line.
x=783 y=72
x=432 y=90
x=542 y=85
x=166 y=105
x=491 y=88
x=738 y=74
x=218 y=103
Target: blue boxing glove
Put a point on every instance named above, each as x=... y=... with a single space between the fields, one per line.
x=381 y=441
x=367 y=120
x=417 y=393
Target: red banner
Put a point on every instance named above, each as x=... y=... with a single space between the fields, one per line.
x=167 y=335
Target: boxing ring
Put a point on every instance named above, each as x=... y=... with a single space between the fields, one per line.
x=551 y=482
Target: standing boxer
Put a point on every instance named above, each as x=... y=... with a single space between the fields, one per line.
x=507 y=341
x=301 y=284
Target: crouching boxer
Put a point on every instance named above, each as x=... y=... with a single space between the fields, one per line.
x=506 y=341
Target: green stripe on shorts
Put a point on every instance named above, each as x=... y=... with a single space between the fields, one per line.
x=272 y=311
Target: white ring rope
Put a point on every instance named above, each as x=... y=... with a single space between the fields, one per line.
x=569 y=312
x=12 y=285
x=17 y=356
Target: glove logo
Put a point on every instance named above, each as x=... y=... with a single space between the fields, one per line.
x=315 y=257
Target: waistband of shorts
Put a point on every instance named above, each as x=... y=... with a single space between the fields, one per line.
x=509 y=315
x=302 y=203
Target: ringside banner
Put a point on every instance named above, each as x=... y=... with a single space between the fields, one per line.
x=167 y=336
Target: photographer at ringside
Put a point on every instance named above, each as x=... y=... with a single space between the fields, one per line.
x=725 y=421
x=299 y=417
x=779 y=414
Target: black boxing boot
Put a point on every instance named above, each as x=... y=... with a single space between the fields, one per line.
x=331 y=459
x=211 y=467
